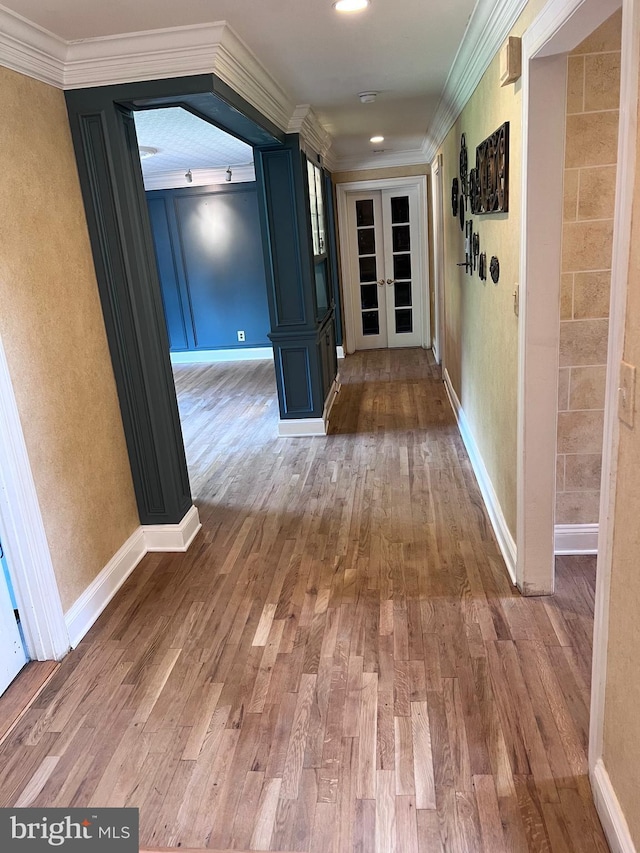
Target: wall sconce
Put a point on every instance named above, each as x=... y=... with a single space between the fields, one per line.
x=188 y=176
x=227 y=174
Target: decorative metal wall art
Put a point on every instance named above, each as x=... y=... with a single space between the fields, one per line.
x=462 y=210
x=474 y=191
x=454 y=196
x=468 y=245
x=492 y=164
x=482 y=266
x=494 y=269
x=475 y=250
x=468 y=248
x=464 y=165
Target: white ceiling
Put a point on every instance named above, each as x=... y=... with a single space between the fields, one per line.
x=184 y=141
x=401 y=48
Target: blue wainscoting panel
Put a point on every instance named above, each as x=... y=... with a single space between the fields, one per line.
x=296 y=381
x=289 y=268
x=211 y=266
x=169 y=282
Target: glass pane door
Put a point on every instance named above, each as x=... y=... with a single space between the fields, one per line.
x=385 y=267
x=402 y=266
x=368 y=272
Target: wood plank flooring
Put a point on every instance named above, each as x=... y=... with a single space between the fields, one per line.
x=340 y=662
x=22 y=692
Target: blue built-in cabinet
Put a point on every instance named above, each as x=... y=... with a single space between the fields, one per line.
x=300 y=284
x=211 y=266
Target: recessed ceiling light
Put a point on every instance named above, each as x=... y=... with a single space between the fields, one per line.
x=350 y=5
x=377 y=139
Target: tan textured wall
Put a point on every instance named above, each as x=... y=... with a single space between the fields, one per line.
x=481 y=329
x=593 y=97
x=622 y=717
x=53 y=332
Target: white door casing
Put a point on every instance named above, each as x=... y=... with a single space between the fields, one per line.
x=416 y=187
x=559 y=27
x=437 y=202
x=24 y=538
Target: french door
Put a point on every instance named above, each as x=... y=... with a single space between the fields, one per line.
x=385 y=268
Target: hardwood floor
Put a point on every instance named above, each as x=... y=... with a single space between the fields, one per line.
x=340 y=662
x=22 y=692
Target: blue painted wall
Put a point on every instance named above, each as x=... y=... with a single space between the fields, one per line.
x=211 y=266
x=5 y=578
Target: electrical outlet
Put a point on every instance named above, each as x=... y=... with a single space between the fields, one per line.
x=241 y=336
x=627 y=393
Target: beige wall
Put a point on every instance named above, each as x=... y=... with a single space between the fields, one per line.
x=481 y=329
x=381 y=174
x=622 y=703
x=593 y=96
x=53 y=332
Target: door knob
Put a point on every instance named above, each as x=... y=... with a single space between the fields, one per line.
x=381 y=282
x=391 y=281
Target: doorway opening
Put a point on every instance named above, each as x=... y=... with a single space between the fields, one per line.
x=384 y=259
x=556 y=32
x=593 y=102
x=201 y=195
x=549 y=244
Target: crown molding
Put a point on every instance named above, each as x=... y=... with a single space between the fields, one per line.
x=330 y=162
x=385 y=160
x=240 y=69
x=152 y=55
x=179 y=51
x=488 y=27
x=305 y=122
x=201 y=178
x=30 y=49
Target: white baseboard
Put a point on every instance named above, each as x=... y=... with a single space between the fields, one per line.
x=81 y=615
x=331 y=398
x=609 y=811
x=171 y=537
x=576 y=539
x=301 y=427
x=212 y=356
x=305 y=427
x=504 y=538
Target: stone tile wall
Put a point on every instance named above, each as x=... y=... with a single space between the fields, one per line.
x=593 y=95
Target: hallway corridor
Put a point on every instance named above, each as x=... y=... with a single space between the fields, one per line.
x=340 y=662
